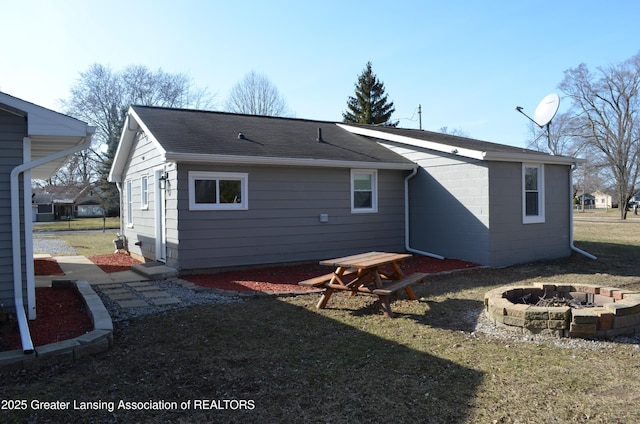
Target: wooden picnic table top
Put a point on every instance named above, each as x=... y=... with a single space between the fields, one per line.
x=366 y=260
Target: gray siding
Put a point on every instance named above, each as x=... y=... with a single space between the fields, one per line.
x=450 y=210
x=512 y=241
x=472 y=210
x=282 y=223
x=12 y=131
x=144 y=159
x=449 y=205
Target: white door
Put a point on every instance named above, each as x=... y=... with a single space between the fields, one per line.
x=160 y=200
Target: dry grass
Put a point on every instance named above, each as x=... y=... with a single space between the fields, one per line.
x=348 y=364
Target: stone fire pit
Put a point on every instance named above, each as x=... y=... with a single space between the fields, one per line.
x=585 y=311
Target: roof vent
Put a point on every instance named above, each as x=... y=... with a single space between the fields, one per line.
x=319 y=139
x=240 y=136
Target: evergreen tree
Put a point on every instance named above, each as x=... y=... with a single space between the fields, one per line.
x=370 y=104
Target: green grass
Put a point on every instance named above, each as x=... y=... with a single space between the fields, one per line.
x=95 y=243
x=348 y=364
x=78 y=224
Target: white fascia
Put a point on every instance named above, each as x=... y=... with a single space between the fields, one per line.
x=439 y=147
x=132 y=124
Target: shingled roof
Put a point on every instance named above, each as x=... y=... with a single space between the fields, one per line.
x=463 y=146
x=183 y=133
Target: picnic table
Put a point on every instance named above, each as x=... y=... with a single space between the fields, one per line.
x=376 y=273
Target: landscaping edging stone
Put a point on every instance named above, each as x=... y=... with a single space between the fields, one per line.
x=98 y=340
x=618 y=313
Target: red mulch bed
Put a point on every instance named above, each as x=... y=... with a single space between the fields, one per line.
x=114 y=262
x=47 y=266
x=61 y=315
x=286 y=278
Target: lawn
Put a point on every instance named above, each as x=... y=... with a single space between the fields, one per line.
x=282 y=360
x=84 y=243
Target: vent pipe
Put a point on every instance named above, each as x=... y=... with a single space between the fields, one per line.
x=240 y=136
x=319 y=139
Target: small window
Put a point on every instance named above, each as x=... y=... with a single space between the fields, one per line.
x=217 y=191
x=533 y=194
x=129 y=200
x=364 y=196
x=144 y=192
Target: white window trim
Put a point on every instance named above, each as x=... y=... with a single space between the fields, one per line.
x=129 y=203
x=200 y=175
x=540 y=218
x=144 y=192
x=374 y=188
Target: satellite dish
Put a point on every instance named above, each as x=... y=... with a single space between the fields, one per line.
x=546 y=110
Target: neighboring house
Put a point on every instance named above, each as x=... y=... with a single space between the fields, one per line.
x=205 y=190
x=586 y=201
x=602 y=200
x=71 y=201
x=42 y=207
x=35 y=143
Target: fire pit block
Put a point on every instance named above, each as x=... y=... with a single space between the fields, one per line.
x=581 y=310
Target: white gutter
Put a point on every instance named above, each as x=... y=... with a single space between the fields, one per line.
x=574 y=248
x=406 y=220
x=25 y=336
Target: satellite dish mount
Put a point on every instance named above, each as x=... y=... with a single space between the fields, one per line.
x=544 y=113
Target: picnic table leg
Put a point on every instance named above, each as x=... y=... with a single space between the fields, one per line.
x=322 y=303
x=386 y=306
x=410 y=293
x=384 y=300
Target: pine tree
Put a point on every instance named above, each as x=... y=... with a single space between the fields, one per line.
x=370 y=104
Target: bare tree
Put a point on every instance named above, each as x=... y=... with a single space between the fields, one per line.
x=453 y=131
x=606 y=106
x=559 y=138
x=102 y=97
x=256 y=95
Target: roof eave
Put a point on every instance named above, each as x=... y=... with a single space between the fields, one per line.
x=279 y=161
x=132 y=124
x=438 y=147
x=468 y=153
x=530 y=157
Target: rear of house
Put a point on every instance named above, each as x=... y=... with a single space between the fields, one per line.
x=208 y=190
x=213 y=190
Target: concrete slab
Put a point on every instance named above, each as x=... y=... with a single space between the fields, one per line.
x=165 y=301
x=155 y=294
x=111 y=292
x=121 y=296
x=132 y=303
x=155 y=270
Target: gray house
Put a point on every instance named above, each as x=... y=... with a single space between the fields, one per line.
x=35 y=143
x=205 y=190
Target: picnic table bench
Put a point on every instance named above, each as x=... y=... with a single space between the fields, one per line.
x=366 y=273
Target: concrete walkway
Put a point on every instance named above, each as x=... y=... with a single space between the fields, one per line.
x=127 y=289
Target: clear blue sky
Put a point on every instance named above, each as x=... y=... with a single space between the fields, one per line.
x=468 y=63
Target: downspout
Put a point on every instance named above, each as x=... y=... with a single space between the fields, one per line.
x=25 y=336
x=574 y=248
x=406 y=220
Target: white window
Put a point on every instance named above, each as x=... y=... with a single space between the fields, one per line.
x=364 y=191
x=532 y=194
x=218 y=191
x=144 y=192
x=129 y=202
